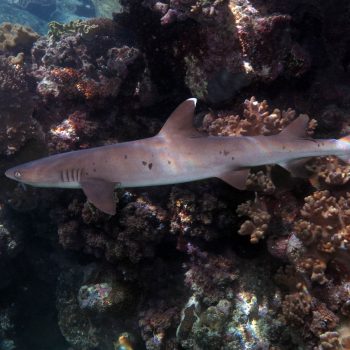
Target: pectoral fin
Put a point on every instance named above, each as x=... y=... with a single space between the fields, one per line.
x=296 y=167
x=236 y=178
x=100 y=194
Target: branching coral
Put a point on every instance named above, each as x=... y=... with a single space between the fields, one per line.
x=257 y=119
x=329 y=171
x=258 y=222
x=325 y=222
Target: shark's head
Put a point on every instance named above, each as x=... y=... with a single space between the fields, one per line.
x=37 y=173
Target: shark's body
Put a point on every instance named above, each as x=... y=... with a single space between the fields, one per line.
x=177 y=154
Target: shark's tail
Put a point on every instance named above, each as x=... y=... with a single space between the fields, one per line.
x=346 y=158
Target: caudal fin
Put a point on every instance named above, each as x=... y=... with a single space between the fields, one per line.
x=345 y=158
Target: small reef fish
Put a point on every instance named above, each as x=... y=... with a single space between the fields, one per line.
x=178 y=153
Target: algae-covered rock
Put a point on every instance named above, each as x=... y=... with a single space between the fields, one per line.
x=56 y=29
x=16 y=107
x=16 y=37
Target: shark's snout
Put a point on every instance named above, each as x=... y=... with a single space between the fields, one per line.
x=13 y=173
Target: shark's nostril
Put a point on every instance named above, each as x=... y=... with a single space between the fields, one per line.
x=17 y=174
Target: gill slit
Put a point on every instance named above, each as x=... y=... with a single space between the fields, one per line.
x=81 y=174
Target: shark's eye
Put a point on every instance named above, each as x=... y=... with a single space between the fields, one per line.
x=17 y=174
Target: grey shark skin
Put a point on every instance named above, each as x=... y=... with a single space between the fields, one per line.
x=178 y=153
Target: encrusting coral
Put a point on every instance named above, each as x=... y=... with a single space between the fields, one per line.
x=15 y=38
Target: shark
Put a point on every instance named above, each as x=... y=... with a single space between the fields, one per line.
x=179 y=153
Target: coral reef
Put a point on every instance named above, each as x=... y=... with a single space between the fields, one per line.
x=198 y=213
x=236 y=43
x=83 y=61
x=188 y=266
x=133 y=234
x=227 y=310
x=16 y=107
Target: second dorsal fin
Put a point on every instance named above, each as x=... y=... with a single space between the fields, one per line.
x=180 y=122
x=297 y=128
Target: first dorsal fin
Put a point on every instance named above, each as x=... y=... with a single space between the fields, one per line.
x=297 y=128
x=180 y=122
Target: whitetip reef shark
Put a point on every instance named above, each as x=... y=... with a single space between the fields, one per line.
x=177 y=154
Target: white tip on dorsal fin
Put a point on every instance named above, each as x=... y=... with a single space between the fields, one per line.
x=180 y=121
x=297 y=128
